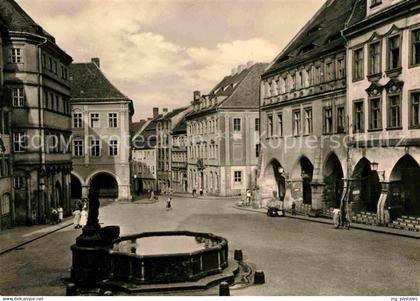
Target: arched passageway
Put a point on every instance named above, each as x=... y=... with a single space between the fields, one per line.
x=333 y=179
x=307 y=171
x=404 y=194
x=105 y=184
x=366 y=188
x=75 y=187
x=274 y=179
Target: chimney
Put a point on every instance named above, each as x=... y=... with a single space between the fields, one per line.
x=165 y=110
x=96 y=61
x=234 y=71
x=197 y=95
x=155 y=112
x=249 y=64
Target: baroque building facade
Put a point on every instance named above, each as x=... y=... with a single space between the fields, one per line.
x=383 y=78
x=222 y=134
x=164 y=127
x=6 y=190
x=144 y=158
x=303 y=115
x=179 y=156
x=101 y=143
x=36 y=85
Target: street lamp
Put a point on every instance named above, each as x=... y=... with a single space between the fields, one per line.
x=281 y=170
x=374 y=166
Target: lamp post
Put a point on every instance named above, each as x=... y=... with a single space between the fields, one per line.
x=374 y=166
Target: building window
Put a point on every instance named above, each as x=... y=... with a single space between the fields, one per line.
x=394 y=111
x=237 y=124
x=375 y=3
x=77 y=120
x=4 y=122
x=329 y=71
x=270 y=126
x=257 y=124
x=113 y=120
x=415 y=48
x=375 y=58
x=358 y=117
x=415 y=109
x=280 y=124
x=94 y=120
x=16 y=56
x=95 y=147
x=113 y=148
x=341 y=68
x=394 y=55
x=341 y=121
x=18 y=95
x=296 y=122
x=308 y=121
x=57 y=103
x=5 y=204
x=18 y=182
x=257 y=150
x=238 y=176
x=78 y=148
x=358 y=62
x=20 y=142
x=375 y=114
x=328 y=120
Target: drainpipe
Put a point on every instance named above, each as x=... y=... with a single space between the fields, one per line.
x=40 y=130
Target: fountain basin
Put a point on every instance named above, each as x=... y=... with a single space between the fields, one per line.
x=167 y=257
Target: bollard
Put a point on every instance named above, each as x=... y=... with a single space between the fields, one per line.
x=238 y=255
x=71 y=289
x=224 y=289
x=259 y=277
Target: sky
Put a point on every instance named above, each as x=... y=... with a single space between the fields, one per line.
x=157 y=52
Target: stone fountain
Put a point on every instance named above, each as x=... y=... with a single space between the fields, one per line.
x=151 y=261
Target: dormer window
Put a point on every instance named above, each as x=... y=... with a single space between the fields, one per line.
x=307 y=48
x=314 y=29
x=374 y=3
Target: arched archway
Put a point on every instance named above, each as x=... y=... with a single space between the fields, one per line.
x=404 y=197
x=333 y=179
x=58 y=196
x=75 y=187
x=366 y=188
x=106 y=185
x=274 y=180
x=307 y=171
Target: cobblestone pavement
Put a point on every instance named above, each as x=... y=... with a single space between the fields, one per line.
x=298 y=257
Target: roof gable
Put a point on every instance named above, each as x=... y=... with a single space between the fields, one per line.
x=87 y=82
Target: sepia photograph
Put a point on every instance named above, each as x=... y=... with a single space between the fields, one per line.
x=207 y=148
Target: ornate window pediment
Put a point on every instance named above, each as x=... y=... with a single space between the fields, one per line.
x=394 y=86
x=375 y=37
x=374 y=89
x=394 y=30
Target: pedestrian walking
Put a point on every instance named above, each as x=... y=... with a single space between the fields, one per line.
x=248 y=197
x=169 y=203
x=83 y=217
x=76 y=218
x=60 y=214
x=54 y=216
x=152 y=195
x=201 y=191
x=194 y=192
x=293 y=208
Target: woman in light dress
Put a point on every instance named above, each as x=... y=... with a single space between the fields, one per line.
x=83 y=217
x=76 y=218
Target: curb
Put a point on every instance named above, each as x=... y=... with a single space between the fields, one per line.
x=352 y=226
x=33 y=239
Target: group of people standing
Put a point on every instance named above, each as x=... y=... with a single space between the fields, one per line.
x=80 y=215
x=56 y=215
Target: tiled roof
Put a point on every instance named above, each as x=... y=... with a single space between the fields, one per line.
x=181 y=127
x=246 y=93
x=146 y=139
x=136 y=126
x=240 y=90
x=173 y=113
x=16 y=19
x=87 y=82
x=359 y=12
x=319 y=36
